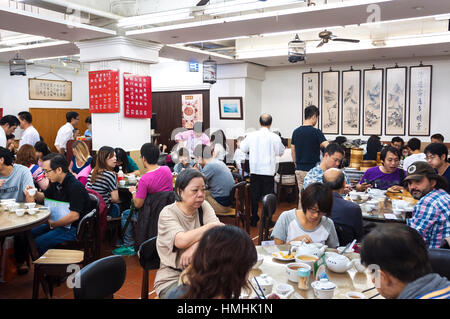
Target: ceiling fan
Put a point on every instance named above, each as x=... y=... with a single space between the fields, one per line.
x=328 y=35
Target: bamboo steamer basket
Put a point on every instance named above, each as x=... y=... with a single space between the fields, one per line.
x=365 y=165
x=356 y=157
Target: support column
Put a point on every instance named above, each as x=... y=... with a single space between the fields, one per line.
x=127 y=56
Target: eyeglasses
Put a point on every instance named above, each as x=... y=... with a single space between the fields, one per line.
x=315 y=211
x=46 y=172
x=430 y=157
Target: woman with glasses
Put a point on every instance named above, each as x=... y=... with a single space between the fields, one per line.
x=311 y=223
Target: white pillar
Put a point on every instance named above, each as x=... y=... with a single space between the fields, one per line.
x=129 y=56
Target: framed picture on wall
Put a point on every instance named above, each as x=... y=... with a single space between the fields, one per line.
x=351 y=102
x=310 y=91
x=420 y=81
x=49 y=90
x=231 y=108
x=373 y=102
x=330 y=102
x=395 y=121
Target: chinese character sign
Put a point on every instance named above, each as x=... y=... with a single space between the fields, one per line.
x=420 y=100
x=310 y=91
x=192 y=108
x=104 y=91
x=137 y=96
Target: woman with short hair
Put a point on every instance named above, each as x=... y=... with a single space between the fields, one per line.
x=26 y=156
x=311 y=223
x=180 y=228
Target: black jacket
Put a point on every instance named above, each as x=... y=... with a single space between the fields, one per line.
x=147 y=224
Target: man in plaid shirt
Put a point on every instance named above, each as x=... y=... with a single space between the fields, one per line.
x=431 y=215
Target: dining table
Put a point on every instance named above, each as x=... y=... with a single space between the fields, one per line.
x=350 y=280
x=11 y=224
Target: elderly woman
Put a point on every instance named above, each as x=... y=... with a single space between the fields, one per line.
x=312 y=223
x=181 y=225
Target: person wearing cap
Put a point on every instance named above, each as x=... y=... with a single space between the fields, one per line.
x=431 y=214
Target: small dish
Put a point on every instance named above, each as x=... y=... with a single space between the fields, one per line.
x=20 y=211
x=283 y=255
x=30 y=205
x=32 y=211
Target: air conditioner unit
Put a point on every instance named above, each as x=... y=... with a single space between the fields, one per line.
x=17 y=66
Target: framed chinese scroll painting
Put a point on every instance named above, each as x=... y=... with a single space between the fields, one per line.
x=420 y=100
x=373 y=102
x=330 y=102
x=310 y=84
x=351 y=102
x=395 y=122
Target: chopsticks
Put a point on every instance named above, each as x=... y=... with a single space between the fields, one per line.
x=257 y=295
x=368 y=290
x=374 y=296
x=262 y=292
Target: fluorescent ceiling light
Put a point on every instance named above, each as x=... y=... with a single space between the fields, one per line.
x=51 y=58
x=246 y=5
x=200 y=51
x=215 y=40
x=154 y=18
x=21 y=39
x=33 y=46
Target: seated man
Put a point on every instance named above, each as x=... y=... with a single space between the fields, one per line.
x=219 y=179
x=386 y=175
x=333 y=156
x=437 y=138
x=397 y=142
x=64 y=187
x=415 y=154
x=239 y=157
x=404 y=270
x=156 y=179
x=437 y=154
x=431 y=214
x=344 y=213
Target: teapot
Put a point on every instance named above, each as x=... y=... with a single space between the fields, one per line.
x=315 y=249
x=339 y=263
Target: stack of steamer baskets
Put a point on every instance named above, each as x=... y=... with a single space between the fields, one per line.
x=356 y=157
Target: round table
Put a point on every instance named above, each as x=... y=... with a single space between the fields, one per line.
x=11 y=224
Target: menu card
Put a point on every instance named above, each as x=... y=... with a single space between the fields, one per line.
x=104 y=91
x=137 y=96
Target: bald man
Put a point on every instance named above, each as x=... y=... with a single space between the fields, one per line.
x=346 y=215
x=263 y=146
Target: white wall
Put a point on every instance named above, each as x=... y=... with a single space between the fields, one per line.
x=282 y=94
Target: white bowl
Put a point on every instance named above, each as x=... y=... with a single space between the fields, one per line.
x=349 y=250
x=32 y=191
x=32 y=211
x=30 y=205
x=310 y=259
x=258 y=262
x=20 y=211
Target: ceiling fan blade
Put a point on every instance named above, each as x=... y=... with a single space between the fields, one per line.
x=202 y=3
x=346 y=40
x=320 y=44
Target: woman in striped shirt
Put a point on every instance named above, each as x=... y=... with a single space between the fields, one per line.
x=27 y=157
x=103 y=180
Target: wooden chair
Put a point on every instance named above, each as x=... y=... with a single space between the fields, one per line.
x=284 y=169
x=55 y=261
x=100 y=279
x=238 y=213
x=149 y=260
x=269 y=207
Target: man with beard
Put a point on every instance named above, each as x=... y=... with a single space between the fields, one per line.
x=431 y=215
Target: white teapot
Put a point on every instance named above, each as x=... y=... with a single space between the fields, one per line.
x=339 y=263
x=315 y=249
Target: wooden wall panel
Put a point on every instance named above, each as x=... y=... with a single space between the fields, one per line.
x=47 y=122
x=167 y=106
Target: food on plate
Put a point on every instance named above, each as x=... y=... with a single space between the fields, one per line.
x=394 y=189
x=283 y=255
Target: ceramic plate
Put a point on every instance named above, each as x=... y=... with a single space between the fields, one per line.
x=282 y=255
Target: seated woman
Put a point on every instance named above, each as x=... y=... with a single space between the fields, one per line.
x=103 y=180
x=312 y=223
x=42 y=150
x=181 y=225
x=227 y=251
x=219 y=145
x=81 y=157
x=26 y=156
x=373 y=147
x=386 y=175
x=184 y=161
x=128 y=165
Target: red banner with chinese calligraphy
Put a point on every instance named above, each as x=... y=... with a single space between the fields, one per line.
x=104 y=91
x=137 y=96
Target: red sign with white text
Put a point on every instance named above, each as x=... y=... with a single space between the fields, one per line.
x=137 y=96
x=104 y=91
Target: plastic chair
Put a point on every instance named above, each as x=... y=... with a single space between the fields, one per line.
x=100 y=279
x=239 y=212
x=440 y=261
x=149 y=260
x=55 y=261
x=269 y=207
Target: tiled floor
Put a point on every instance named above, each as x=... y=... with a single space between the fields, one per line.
x=21 y=286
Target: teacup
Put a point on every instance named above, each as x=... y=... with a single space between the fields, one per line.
x=33 y=211
x=30 y=205
x=355 y=295
x=13 y=206
x=323 y=289
x=20 y=211
x=306 y=259
x=122 y=183
x=32 y=191
x=292 y=269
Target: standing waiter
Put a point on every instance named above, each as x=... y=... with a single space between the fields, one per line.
x=262 y=146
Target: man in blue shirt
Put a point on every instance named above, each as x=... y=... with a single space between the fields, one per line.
x=305 y=145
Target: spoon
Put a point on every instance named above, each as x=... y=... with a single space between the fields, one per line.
x=348 y=245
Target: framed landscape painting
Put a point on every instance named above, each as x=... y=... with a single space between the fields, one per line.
x=351 y=102
x=395 y=121
x=230 y=108
x=373 y=102
x=330 y=102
